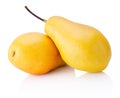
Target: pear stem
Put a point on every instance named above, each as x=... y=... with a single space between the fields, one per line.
x=34 y=14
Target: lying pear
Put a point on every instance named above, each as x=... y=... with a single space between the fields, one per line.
x=34 y=53
x=81 y=46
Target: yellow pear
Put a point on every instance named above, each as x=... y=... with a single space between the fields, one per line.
x=81 y=46
x=34 y=53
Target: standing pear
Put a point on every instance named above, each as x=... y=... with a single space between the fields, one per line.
x=81 y=46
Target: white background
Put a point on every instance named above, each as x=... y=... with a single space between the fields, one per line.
x=64 y=82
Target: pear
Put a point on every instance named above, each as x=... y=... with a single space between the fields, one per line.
x=34 y=53
x=81 y=46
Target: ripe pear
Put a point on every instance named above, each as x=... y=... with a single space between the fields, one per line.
x=81 y=46
x=34 y=53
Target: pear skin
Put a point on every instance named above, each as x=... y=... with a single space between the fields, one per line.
x=81 y=46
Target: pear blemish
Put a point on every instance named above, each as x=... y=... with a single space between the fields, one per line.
x=13 y=53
